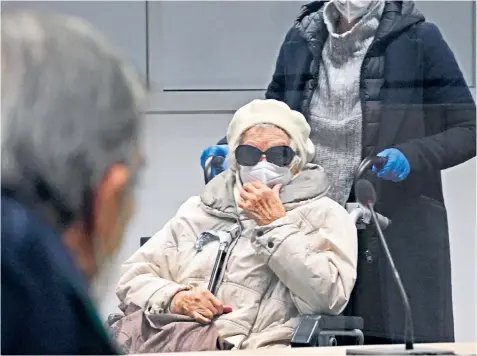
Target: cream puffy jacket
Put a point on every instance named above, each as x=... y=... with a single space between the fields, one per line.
x=303 y=263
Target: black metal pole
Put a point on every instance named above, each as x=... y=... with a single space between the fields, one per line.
x=217 y=270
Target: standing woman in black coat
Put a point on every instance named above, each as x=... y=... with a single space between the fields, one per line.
x=372 y=77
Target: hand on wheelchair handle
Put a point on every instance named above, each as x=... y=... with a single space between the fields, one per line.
x=213 y=161
x=393 y=165
x=378 y=163
x=213 y=151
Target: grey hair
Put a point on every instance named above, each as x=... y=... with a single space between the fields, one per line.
x=71 y=107
x=233 y=162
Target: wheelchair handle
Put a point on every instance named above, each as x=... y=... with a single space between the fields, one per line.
x=210 y=163
x=367 y=163
x=361 y=216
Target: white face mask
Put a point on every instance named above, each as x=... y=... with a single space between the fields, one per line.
x=267 y=173
x=352 y=9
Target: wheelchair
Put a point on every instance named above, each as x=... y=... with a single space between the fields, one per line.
x=322 y=330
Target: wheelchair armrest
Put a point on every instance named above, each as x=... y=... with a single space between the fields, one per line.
x=309 y=328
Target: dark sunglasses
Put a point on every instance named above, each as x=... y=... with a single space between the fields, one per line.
x=247 y=155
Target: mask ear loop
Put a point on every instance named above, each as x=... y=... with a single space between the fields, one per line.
x=294 y=164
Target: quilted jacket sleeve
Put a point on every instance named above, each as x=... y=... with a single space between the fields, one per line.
x=146 y=278
x=447 y=94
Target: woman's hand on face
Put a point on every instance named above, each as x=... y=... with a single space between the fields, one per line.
x=261 y=203
x=198 y=304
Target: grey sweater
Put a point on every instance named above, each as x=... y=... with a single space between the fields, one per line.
x=335 y=108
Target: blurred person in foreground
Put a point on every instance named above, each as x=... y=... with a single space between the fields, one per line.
x=70 y=155
x=297 y=249
x=373 y=77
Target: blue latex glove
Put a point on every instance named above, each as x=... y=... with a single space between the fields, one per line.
x=213 y=151
x=397 y=167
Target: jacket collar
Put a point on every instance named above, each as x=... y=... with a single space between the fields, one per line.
x=312 y=183
x=397 y=17
x=26 y=226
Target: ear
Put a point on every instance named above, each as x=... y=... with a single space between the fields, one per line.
x=109 y=202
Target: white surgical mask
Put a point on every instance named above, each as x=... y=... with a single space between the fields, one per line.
x=352 y=9
x=267 y=173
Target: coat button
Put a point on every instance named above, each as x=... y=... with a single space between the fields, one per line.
x=259 y=233
x=368 y=256
x=270 y=244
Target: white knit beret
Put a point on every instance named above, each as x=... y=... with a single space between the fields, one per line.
x=273 y=112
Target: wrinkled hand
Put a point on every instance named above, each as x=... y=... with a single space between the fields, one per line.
x=198 y=304
x=397 y=167
x=261 y=203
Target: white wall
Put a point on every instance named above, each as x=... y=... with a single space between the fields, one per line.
x=459 y=194
x=123 y=22
x=231 y=45
x=238 y=51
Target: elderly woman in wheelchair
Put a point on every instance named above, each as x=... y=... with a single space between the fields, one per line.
x=261 y=246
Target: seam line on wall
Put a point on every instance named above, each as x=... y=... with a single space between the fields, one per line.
x=474 y=44
x=189 y=112
x=146 y=9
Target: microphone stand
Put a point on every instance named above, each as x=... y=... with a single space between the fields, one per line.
x=408 y=325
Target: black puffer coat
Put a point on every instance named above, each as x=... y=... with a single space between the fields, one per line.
x=414 y=98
